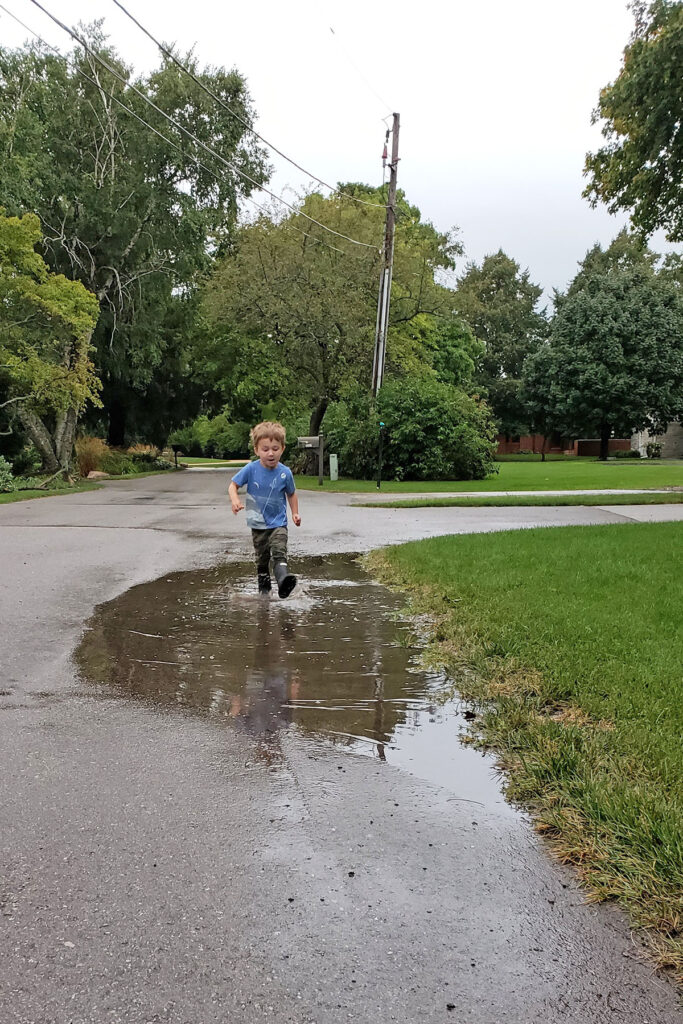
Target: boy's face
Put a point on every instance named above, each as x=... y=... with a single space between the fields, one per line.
x=269 y=451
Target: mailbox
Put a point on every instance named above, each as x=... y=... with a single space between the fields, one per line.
x=177 y=450
x=315 y=443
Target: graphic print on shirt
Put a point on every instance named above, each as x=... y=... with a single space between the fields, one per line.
x=263 y=505
x=265 y=500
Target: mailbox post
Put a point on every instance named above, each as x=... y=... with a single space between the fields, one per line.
x=315 y=443
x=177 y=450
x=379 y=458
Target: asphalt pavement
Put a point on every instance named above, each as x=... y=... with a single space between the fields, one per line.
x=155 y=866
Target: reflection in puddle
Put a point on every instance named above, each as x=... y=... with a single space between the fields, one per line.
x=331 y=661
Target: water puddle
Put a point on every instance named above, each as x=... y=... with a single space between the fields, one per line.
x=334 y=662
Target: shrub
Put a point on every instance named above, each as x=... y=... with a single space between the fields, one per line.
x=146 y=458
x=117 y=464
x=228 y=440
x=143 y=453
x=90 y=453
x=192 y=438
x=214 y=437
x=631 y=453
x=161 y=463
x=653 y=450
x=7 y=481
x=181 y=439
x=27 y=461
x=32 y=483
x=433 y=431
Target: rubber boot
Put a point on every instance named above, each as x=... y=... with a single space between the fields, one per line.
x=285 y=580
x=264 y=586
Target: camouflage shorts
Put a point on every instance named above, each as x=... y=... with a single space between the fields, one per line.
x=269 y=544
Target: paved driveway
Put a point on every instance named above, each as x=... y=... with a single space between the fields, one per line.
x=155 y=869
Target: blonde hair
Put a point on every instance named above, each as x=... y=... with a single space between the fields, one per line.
x=269 y=430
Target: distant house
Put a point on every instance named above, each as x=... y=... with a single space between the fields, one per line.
x=671 y=441
x=557 y=445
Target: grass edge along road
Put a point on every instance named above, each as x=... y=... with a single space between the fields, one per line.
x=577 y=475
x=570 y=642
x=7 y=497
x=521 y=500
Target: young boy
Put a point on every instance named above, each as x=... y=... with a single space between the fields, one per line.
x=268 y=482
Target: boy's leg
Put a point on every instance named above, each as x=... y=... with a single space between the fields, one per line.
x=278 y=551
x=261 y=539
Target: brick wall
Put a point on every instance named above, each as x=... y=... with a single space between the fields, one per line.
x=591 y=445
x=528 y=443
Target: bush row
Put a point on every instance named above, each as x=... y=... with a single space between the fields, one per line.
x=432 y=431
x=94 y=454
x=214 y=438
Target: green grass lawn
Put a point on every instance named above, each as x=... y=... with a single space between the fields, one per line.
x=562 y=475
x=575 y=636
x=483 y=500
x=51 y=493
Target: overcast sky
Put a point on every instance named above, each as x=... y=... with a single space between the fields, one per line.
x=495 y=100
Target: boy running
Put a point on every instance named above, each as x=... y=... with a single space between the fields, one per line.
x=268 y=482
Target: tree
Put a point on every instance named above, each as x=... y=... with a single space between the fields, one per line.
x=499 y=302
x=539 y=393
x=614 y=362
x=309 y=309
x=432 y=431
x=641 y=166
x=46 y=324
x=135 y=218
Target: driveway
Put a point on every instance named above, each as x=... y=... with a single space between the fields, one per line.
x=167 y=857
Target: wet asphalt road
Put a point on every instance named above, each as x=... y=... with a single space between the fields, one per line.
x=159 y=866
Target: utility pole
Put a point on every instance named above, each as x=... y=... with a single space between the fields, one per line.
x=387 y=266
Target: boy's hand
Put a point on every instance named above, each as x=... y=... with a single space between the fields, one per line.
x=296 y=519
x=237 y=506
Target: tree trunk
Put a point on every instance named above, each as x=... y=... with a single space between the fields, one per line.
x=317 y=416
x=311 y=465
x=604 y=442
x=40 y=436
x=64 y=444
x=56 y=452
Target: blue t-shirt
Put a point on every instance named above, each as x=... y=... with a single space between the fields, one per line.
x=266 y=489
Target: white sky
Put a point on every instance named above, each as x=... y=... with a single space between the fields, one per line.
x=495 y=100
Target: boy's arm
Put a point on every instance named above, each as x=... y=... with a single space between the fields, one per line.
x=293 y=500
x=235 y=501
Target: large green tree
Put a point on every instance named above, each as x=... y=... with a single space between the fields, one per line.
x=46 y=324
x=499 y=301
x=614 y=362
x=304 y=302
x=640 y=167
x=135 y=218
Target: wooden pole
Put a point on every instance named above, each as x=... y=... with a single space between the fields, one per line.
x=387 y=266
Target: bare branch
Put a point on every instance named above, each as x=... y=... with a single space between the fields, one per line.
x=22 y=398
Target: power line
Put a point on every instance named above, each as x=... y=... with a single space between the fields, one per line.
x=387 y=106
x=190 y=135
x=174 y=145
x=171 y=56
